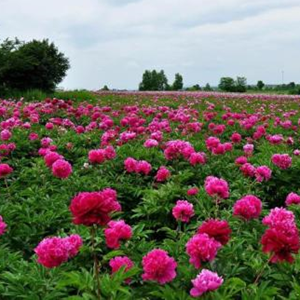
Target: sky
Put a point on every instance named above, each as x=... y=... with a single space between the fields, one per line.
x=112 y=42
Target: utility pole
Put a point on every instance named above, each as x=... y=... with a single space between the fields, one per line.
x=282 y=74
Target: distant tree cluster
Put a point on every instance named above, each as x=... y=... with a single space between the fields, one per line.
x=31 y=65
x=158 y=81
x=228 y=84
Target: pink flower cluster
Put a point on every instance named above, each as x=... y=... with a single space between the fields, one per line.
x=2 y=226
x=162 y=174
x=261 y=173
x=283 y=161
x=292 y=198
x=116 y=231
x=137 y=166
x=159 y=266
x=204 y=282
x=281 y=239
x=52 y=252
x=118 y=262
x=5 y=170
x=216 y=187
x=99 y=156
x=248 y=207
x=175 y=149
x=183 y=211
x=202 y=248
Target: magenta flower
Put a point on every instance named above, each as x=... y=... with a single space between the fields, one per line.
x=248 y=207
x=216 y=187
x=116 y=231
x=159 y=266
x=5 y=170
x=202 y=248
x=52 y=252
x=204 y=282
x=283 y=161
x=61 y=169
x=183 y=211
x=2 y=226
x=292 y=198
x=121 y=261
x=162 y=174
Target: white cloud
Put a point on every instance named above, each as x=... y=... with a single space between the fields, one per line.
x=112 y=41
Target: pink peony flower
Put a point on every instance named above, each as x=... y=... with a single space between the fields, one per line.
x=249 y=207
x=61 y=168
x=292 y=198
x=183 y=211
x=143 y=167
x=248 y=170
x=162 y=174
x=197 y=158
x=130 y=164
x=216 y=187
x=192 y=191
x=217 y=229
x=280 y=218
x=97 y=156
x=159 y=266
x=241 y=160
x=5 y=170
x=283 y=161
x=118 y=262
x=52 y=252
x=51 y=158
x=236 y=138
x=263 y=173
x=150 y=143
x=202 y=248
x=204 y=282
x=90 y=208
x=2 y=226
x=5 y=135
x=116 y=231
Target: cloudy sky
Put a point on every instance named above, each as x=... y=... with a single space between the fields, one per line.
x=113 y=41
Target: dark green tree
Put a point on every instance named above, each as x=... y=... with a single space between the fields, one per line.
x=260 y=84
x=227 y=84
x=154 y=81
x=178 y=82
x=32 y=65
x=207 y=88
x=240 y=85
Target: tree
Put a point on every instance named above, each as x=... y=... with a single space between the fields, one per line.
x=207 y=88
x=227 y=84
x=154 y=81
x=240 y=85
x=105 y=88
x=260 y=84
x=32 y=65
x=178 y=82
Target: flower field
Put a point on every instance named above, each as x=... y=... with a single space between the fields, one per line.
x=150 y=196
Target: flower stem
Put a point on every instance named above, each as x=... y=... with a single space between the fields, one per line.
x=96 y=262
x=261 y=272
x=7 y=187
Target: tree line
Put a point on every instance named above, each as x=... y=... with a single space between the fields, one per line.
x=157 y=81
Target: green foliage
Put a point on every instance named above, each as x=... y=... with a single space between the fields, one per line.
x=154 y=81
x=31 y=65
x=260 y=84
x=228 y=84
x=178 y=82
